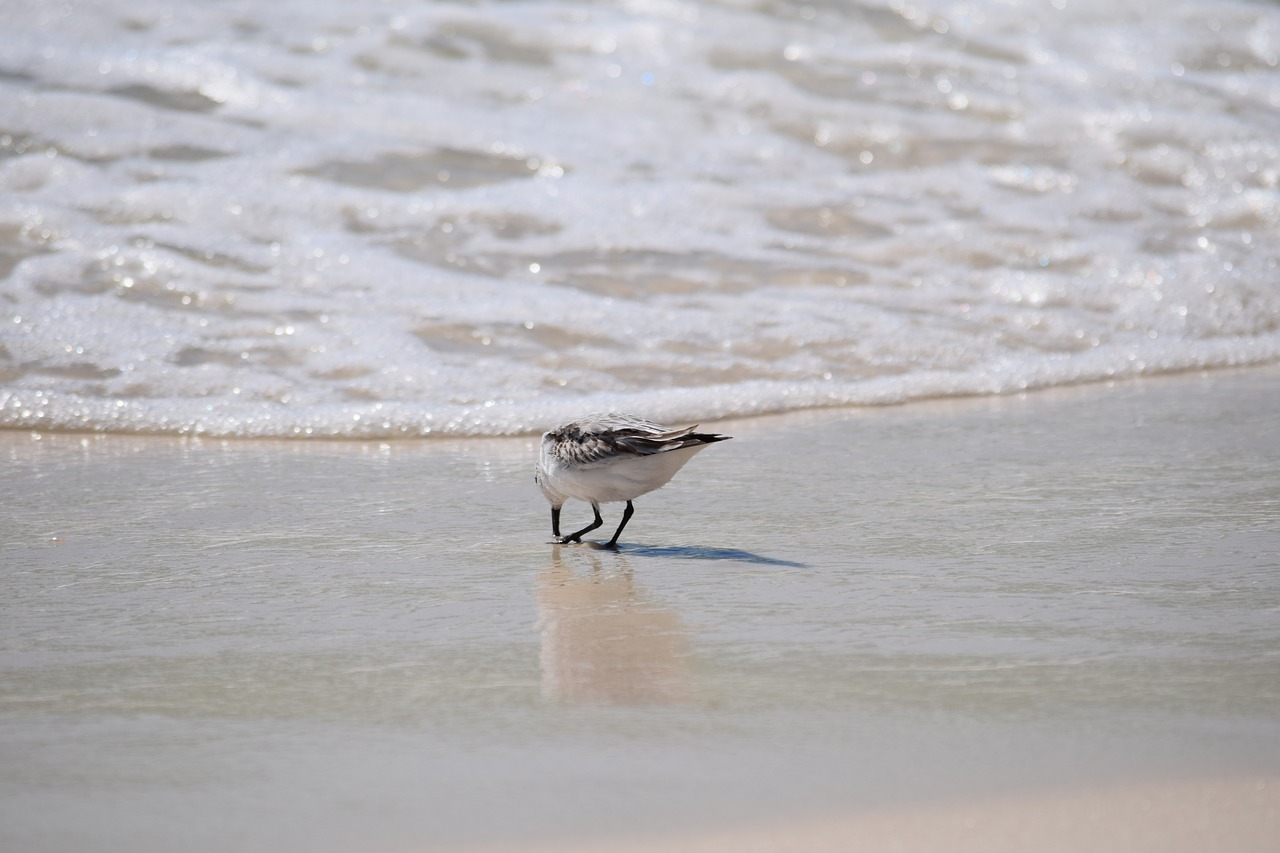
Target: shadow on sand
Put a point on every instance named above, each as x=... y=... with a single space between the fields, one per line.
x=697 y=552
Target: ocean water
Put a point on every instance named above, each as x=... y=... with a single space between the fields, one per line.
x=407 y=218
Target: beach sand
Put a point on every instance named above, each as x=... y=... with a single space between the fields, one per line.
x=1187 y=816
x=1047 y=621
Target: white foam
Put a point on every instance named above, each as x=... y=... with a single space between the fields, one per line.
x=480 y=220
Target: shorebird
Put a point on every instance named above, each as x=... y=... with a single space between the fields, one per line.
x=606 y=458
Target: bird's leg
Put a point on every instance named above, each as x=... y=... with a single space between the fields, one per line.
x=555 y=521
x=577 y=537
x=626 y=516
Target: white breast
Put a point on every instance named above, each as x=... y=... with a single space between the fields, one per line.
x=621 y=480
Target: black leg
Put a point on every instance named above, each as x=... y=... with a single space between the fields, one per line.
x=626 y=516
x=555 y=521
x=577 y=537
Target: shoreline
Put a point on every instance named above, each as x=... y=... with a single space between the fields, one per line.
x=1083 y=386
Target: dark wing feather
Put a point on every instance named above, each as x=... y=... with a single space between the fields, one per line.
x=593 y=446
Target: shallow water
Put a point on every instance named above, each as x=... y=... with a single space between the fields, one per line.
x=334 y=646
x=295 y=219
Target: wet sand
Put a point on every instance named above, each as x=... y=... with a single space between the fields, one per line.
x=1183 y=816
x=987 y=624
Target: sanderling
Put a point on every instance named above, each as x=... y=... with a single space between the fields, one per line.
x=605 y=458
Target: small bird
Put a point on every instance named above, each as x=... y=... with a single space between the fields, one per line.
x=604 y=458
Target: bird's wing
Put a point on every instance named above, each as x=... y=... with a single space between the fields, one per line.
x=643 y=442
x=604 y=439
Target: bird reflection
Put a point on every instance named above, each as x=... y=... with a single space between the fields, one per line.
x=602 y=642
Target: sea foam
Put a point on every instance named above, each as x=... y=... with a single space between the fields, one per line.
x=231 y=219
